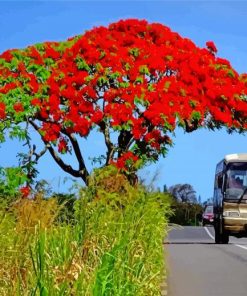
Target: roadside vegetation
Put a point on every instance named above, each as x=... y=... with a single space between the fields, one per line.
x=186 y=213
x=108 y=241
x=187 y=209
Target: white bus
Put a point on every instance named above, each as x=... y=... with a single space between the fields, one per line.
x=230 y=198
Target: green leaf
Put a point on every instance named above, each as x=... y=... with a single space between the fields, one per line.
x=11 y=178
x=231 y=73
x=167 y=85
x=40 y=46
x=102 y=54
x=17 y=132
x=183 y=92
x=169 y=57
x=134 y=51
x=151 y=87
x=127 y=66
x=124 y=84
x=49 y=62
x=139 y=79
x=114 y=75
x=102 y=81
x=40 y=71
x=144 y=70
x=193 y=103
x=81 y=64
x=196 y=115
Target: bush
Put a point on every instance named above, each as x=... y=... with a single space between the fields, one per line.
x=113 y=246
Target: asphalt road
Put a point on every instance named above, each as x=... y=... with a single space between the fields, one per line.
x=198 y=267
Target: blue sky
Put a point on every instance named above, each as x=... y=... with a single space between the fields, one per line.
x=194 y=156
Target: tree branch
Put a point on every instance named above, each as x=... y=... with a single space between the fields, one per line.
x=67 y=168
x=110 y=146
x=189 y=126
x=75 y=145
x=124 y=140
x=38 y=155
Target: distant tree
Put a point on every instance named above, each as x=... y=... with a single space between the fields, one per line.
x=44 y=187
x=199 y=200
x=165 y=188
x=183 y=192
x=208 y=201
x=185 y=213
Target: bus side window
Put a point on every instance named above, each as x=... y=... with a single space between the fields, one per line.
x=220 y=181
x=244 y=181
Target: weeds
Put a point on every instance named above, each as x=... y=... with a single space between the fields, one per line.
x=112 y=245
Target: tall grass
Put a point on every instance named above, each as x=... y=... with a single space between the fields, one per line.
x=113 y=246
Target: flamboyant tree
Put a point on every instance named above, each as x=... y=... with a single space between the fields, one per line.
x=132 y=81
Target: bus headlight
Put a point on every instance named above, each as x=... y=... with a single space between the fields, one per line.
x=231 y=214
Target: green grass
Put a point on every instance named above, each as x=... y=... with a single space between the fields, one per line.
x=113 y=246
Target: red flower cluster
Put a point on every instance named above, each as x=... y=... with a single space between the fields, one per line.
x=25 y=191
x=2 y=111
x=50 y=132
x=18 y=107
x=62 y=145
x=211 y=46
x=126 y=161
x=132 y=78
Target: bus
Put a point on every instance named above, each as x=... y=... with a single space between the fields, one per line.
x=230 y=198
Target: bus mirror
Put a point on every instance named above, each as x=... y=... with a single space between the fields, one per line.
x=220 y=181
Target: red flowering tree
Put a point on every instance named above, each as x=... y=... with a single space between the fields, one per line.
x=132 y=81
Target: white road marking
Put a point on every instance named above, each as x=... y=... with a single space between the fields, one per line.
x=212 y=237
x=208 y=232
x=240 y=246
x=175 y=226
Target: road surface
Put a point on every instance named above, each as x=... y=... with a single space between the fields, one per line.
x=198 y=267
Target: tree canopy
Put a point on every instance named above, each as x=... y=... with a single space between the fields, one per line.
x=183 y=193
x=132 y=81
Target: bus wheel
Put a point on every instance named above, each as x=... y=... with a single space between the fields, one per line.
x=225 y=238
x=220 y=237
x=217 y=236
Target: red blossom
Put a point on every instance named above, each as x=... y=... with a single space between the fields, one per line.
x=126 y=161
x=18 y=107
x=36 y=102
x=7 y=55
x=211 y=46
x=50 y=131
x=35 y=54
x=8 y=87
x=97 y=117
x=2 y=110
x=62 y=145
x=25 y=191
x=51 y=53
x=139 y=128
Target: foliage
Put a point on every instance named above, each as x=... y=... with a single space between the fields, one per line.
x=10 y=180
x=67 y=204
x=185 y=213
x=132 y=81
x=113 y=246
x=186 y=209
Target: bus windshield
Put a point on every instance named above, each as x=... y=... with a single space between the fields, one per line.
x=236 y=180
